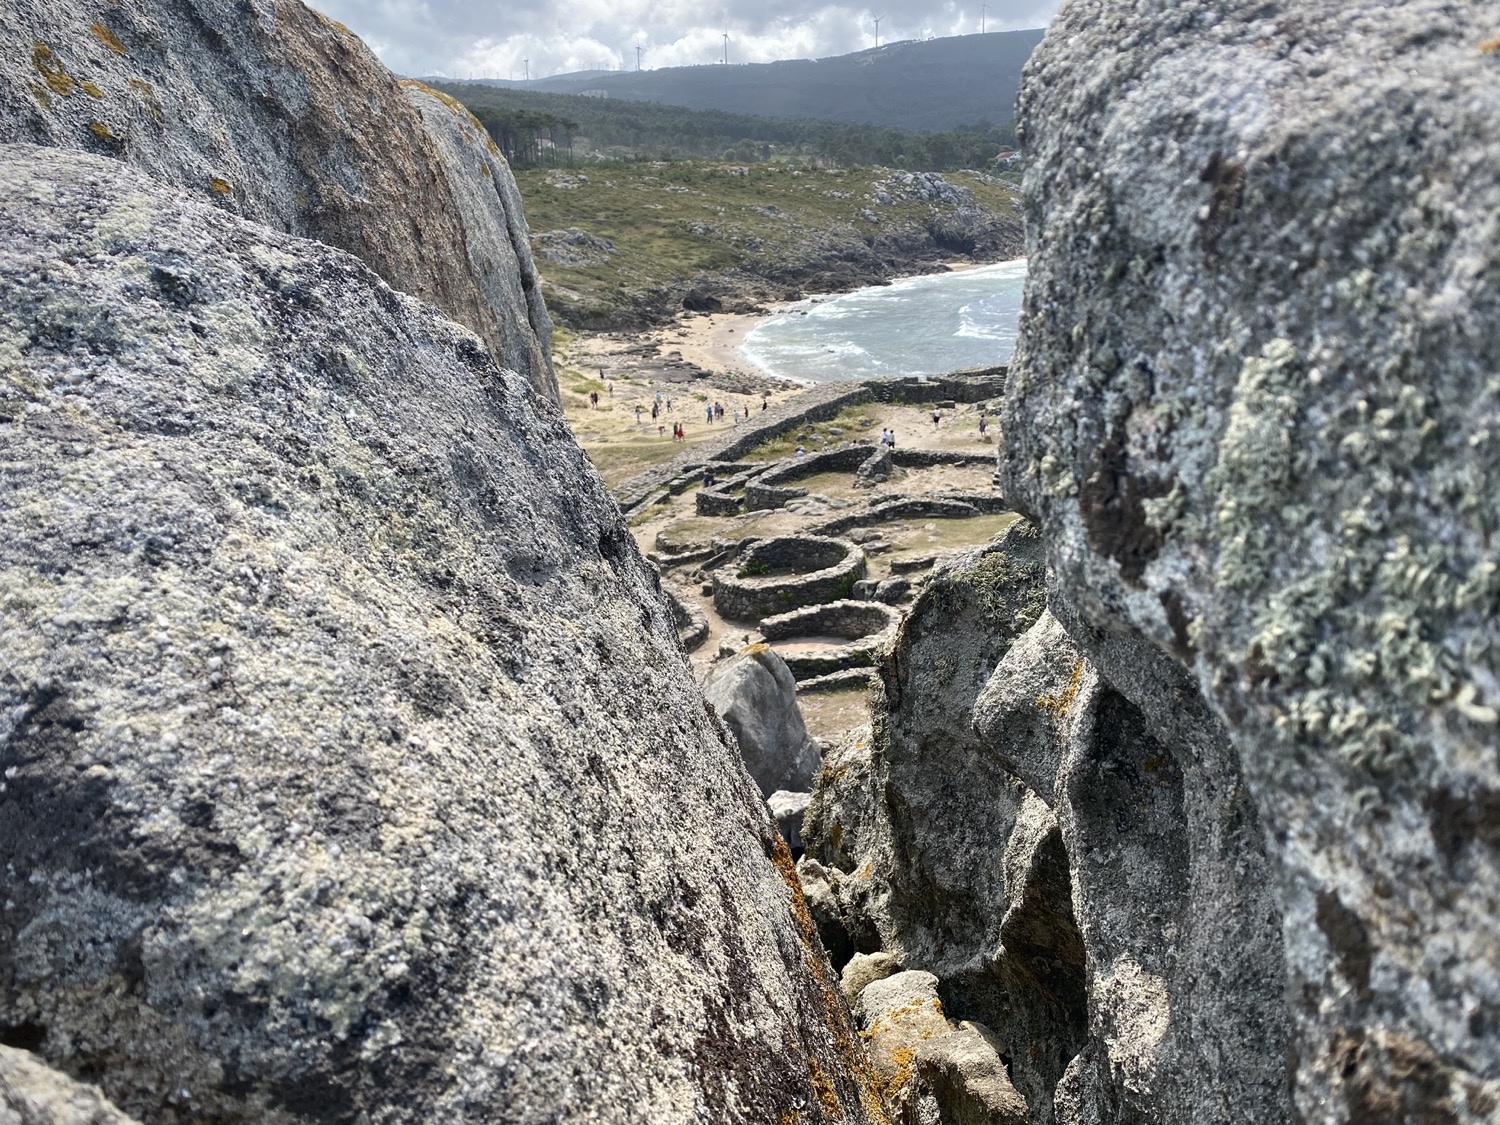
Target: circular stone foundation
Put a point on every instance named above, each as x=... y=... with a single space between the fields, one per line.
x=808 y=638
x=773 y=576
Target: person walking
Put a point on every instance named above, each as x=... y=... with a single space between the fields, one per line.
x=984 y=423
x=937 y=416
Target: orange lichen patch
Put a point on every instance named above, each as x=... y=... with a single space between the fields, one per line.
x=148 y=95
x=107 y=37
x=102 y=132
x=91 y=90
x=835 y=1011
x=1490 y=46
x=756 y=648
x=456 y=107
x=220 y=186
x=40 y=93
x=50 y=67
x=1057 y=705
x=901 y=1063
x=823 y=1088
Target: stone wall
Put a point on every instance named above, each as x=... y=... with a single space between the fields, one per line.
x=824 y=570
x=817 y=404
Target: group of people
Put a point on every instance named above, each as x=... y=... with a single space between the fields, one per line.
x=888 y=437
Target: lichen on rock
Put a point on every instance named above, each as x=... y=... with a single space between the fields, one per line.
x=351 y=766
x=285 y=117
x=1257 y=424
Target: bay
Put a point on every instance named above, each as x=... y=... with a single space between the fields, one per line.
x=924 y=325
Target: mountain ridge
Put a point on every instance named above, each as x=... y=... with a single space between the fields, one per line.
x=933 y=84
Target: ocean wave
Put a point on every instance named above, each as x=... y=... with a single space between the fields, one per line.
x=919 y=325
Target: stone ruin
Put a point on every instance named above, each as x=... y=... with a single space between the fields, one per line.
x=773 y=576
x=866 y=627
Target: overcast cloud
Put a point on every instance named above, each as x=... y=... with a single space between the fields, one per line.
x=459 y=38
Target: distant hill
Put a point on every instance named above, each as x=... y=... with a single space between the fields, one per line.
x=936 y=84
x=534 y=127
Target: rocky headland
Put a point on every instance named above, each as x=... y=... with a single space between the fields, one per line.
x=356 y=766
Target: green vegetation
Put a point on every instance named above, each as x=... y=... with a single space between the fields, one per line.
x=534 y=128
x=854 y=421
x=770 y=226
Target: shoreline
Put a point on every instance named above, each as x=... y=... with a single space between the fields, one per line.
x=712 y=341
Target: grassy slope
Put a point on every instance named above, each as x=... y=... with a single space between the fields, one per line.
x=679 y=224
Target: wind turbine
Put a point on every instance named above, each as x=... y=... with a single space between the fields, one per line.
x=638 y=51
x=983 y=10
x=877 y=29
x=726 y=48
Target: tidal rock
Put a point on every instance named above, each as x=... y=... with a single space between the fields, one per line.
x=340 y=713
x=754 y=693
x=271 y=111
x=1258 y=426
x=32 y=1093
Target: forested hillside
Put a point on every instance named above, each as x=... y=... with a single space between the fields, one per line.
x=561 y=129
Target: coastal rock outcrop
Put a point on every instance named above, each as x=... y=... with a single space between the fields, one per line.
x=1111 y=925
x=351 y=767
x=275 y=113
x=1254 y=412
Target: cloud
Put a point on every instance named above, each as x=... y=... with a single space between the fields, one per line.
x=460 y=38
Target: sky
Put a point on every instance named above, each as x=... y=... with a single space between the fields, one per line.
x=464 y=38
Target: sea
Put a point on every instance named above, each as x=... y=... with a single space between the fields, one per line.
x=924 y=325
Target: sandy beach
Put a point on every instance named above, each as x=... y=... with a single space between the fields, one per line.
x=682 y=369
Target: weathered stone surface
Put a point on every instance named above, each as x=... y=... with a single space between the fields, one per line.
x=271 y=111
x=908 y=826
x=32 y=1093
x=863 y=969
x=1257 y=424
x=946 y=804
x=352 y=770
x=754 y=693
x=933 y=1069
x=1132 y=923
x=1020 y=711
x=787 y=809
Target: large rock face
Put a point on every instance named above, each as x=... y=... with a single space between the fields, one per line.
x=271 y=111
x=1254 y=408
x=339 y=715
x=1080 y=875
x=754 y=693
